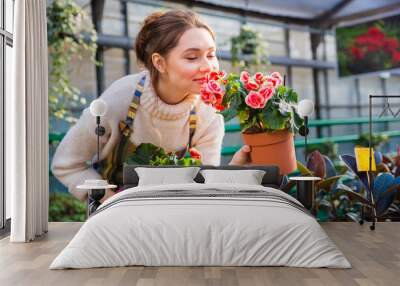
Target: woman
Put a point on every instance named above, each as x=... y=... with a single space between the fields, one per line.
x=159 y=105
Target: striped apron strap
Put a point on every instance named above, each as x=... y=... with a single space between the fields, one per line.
x=111 y=167
x=192 y=125
x=126 y=126
x=192 y=128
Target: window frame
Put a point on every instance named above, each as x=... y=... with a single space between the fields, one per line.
x=6 y=39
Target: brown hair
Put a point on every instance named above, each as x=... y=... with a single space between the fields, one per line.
x=161 y=32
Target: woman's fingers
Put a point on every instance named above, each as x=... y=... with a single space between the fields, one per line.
x=242 y=156
x=246 y=148
x=108 y=193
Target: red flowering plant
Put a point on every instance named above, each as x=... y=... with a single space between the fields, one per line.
x=374 y=49
x=261 y=102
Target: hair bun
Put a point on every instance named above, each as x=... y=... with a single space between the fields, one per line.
x=153 y=17
x=143 y=36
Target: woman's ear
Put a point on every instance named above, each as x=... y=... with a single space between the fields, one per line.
x=158 y=62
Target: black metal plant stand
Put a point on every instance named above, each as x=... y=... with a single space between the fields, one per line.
x=386 y=108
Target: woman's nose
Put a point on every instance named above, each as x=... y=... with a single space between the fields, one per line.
x=206 y=66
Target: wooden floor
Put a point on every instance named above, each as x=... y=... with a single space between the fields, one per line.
x=375 y=257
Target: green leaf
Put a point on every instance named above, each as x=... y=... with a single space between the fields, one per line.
x=303 y=169
x=288 y=186
x=274 y=120
x=324 y=203
x=143 y=154
x=353 y=195
x=291 y=96
x=354 y=217
x=323 y=214
x=244 y=115
x=327 y=183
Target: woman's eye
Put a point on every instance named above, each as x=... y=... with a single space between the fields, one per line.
x=191 y=58
x=211 y=56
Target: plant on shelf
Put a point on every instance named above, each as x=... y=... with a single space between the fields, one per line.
x=267 y=112
x=70 y=34
x=377 y=140
x=328 y=148
x=248 y=48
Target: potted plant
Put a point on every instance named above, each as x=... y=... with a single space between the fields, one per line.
x=267 y=112
x=249 y=46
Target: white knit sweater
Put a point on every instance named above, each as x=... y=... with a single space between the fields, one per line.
x=156 y=122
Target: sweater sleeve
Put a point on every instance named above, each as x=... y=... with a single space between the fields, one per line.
x=72 y=160
x=71 y=163
x=210 y=142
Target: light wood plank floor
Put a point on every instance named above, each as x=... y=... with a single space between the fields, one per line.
x=375 y=257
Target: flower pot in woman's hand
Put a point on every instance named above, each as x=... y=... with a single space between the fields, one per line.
x=276 y=148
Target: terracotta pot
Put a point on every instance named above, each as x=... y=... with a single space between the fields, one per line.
x=275 y=148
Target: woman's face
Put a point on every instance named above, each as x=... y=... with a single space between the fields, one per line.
x=187 y=64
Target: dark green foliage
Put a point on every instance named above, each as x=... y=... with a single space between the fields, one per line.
x=386 y=185
x=149 y=154
x=64 y=207
x=331 y=202
x=376 y=143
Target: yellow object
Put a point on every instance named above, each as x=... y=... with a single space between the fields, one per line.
x=362 y=159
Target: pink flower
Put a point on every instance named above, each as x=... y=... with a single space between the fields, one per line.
x=218 y=102
x=213 y=75
x=208 y=97
x=278 y=76
x=272 y=81
x=255 y=100
x=216 y=75
x=267 y=92
x=219 y=107
x=218 y=98
x=212 y=94
x=221 y=74
x=214 y=87
x=259 y=78
x=251 y=85
x=244 y=77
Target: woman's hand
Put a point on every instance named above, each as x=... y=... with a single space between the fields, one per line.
x=241 y=157
x=108 y=193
